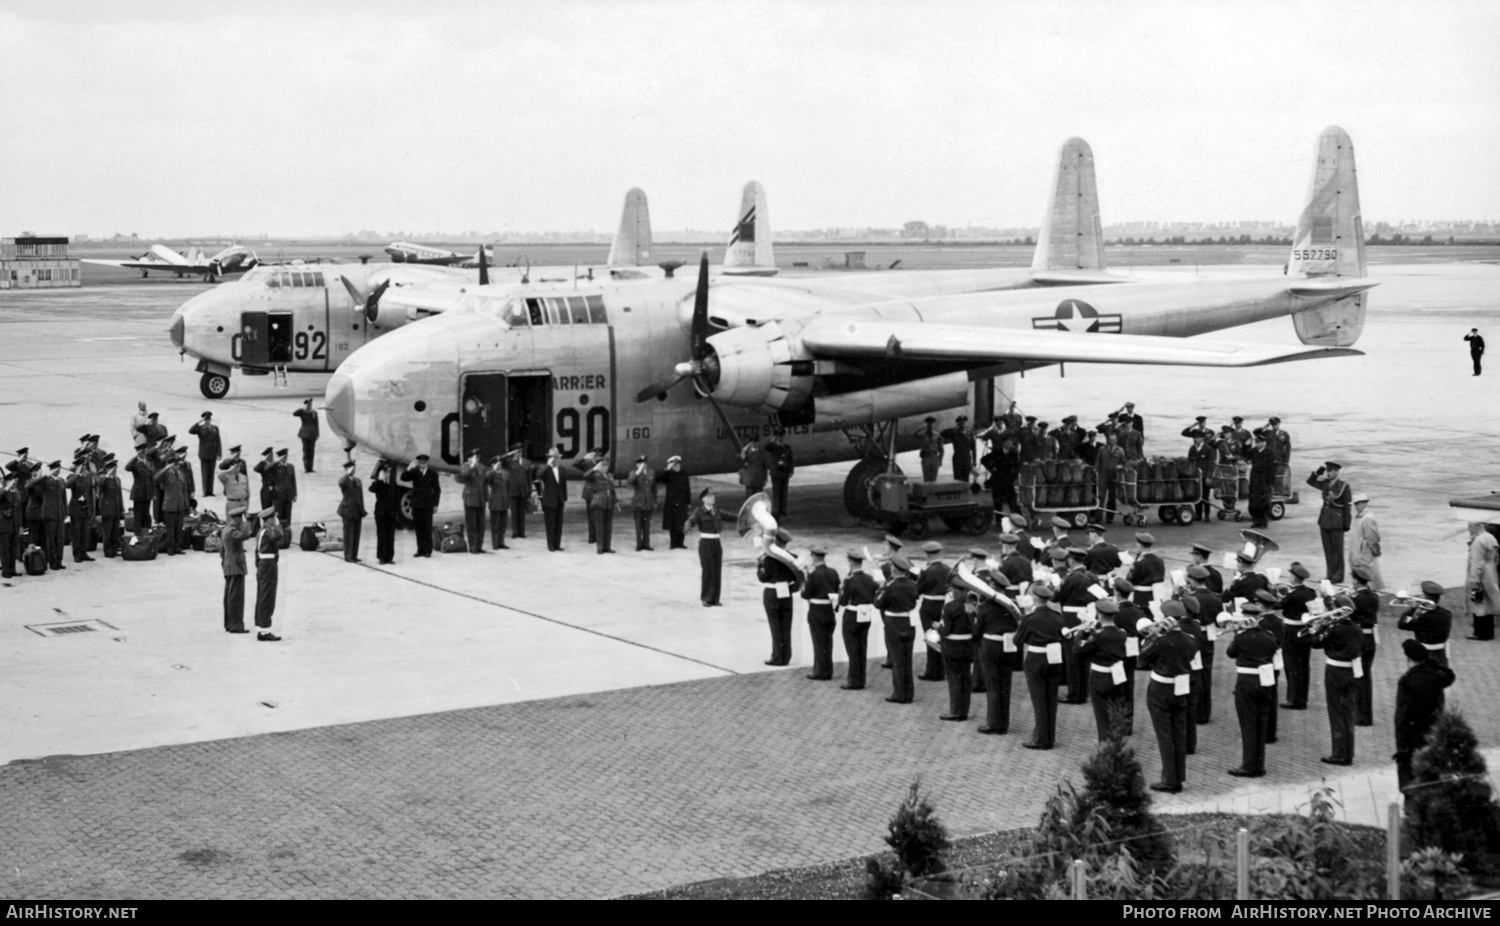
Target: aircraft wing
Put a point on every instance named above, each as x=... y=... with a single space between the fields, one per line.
x=162 y=266
x=874 y=338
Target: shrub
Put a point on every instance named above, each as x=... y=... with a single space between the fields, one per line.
x=1309 y=857
x=1449 y=804
x=882 y=880
x=918 y=837
x=1114 y=783
x=1432 y=874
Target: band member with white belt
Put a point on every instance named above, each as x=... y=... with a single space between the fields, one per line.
x=822 y=595
x=1429 y=623
x=999 y=656
x=955 y=629
x=1129 y=619
x=1210 y=606
x=1168 y=655
x=932 y=587
x=1253 y=650
x=1074 y=597
x=778 y=579
x=1366 y=615
x=896 y=600
x=1103 y=651
x=1040 y=638
x=706 y=518
x=1147 y=570
x=857 y=604
x=1296 y=651
x=1196 y=667
x=1340 y=640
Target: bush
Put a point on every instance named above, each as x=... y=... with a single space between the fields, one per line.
x=1310 y=857
x=1432 y=874
x=1115 y=784
x=882 y=880
x=918 y=837
x=1449 y=804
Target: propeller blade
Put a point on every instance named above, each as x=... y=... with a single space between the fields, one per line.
x=484 y=267
x=724 y=419
x=658 y=389
x=372 y=304
x=354 y=293
x=700 y=311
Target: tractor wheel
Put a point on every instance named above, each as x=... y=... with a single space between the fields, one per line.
x=978 y=522
x=1278 y=511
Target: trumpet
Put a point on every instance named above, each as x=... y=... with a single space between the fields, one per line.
x=1320 y=626
x=1159 y=627
x=1419 y=605
x=1239 y=624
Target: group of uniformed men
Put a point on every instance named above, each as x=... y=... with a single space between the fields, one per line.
x=1088 y=617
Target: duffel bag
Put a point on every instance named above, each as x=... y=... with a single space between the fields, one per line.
x=311 y=537
x=34 y=561
x=139 y=547
x=213 y=543
x=454 y=543
x=156 y=536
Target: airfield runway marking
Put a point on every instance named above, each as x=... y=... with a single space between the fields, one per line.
x=540 y=617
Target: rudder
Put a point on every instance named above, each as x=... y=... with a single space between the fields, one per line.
x=1071 y=237
x=632 y=244
x=1330 y=242
x=749 y=252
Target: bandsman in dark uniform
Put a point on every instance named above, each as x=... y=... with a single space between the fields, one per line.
x=979 y=564
x=821 y=592
x=1147 y=570
x=1419 y=699
x=1210 y=606
x=1024 y=546
x=1199 y=555
x=210 y=449
x=896 y=600
x=1129 y=620
x=893 y=545
x=351 y=511
x=1340 y=644
x=474 y=477
x=387 y=510
x=642 y=481
x=1015 y=566
x=1429 y=626
x=232 y=558
x=1074 y=596
x=307 y=432
x=677 y=499
x=267 y=574
x=1253 y=650
x=998 y=656
x=932 y=588
x=1040 y=638
x=779 y=581
x=1190 y=625
x=1335 y=518
x=498 y=495
x=1247 y=582
x=1367 y=615
x=706 y=518
x=1103 y=557
x=1297 y=651
x=955 y=632
x=1109 y=684
x=857 y=605
x=1268 y=620
x=426 y=491
x=1169 y=656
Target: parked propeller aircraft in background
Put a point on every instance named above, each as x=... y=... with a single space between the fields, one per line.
x=404 y=252
x=848 y=364
x=159 y=257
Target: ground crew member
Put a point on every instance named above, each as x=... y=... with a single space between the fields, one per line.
x=642 y=481
x=821 y=592
x=1297 y=653
x=1253 y=651
x=210 y=449
x=177 y=500
x=424 y=496
x=1419 y=699
x=778 y=581
x=961 y=436
x=267 y=559
x=999 y=656
x=473 y=476
x=602 y=506
x=12 y=512
x=1204 y=457
x=857 y=604
x=753 y=468
x=1103 y=651
x=1168 y=657
x=308 y=434
x=676 y=501
x=497 y=490
x=554 y=483
x=232 y=558
x=1040 y=637
x=1146 y=571
x=1199 y=554
x=896 y=600
x=1262 y=481
x=780 y=462
x=1210 y=606
x=1334 y=519
x=929 y=449
x=1429 y=626
x=284 y=494
x=387 y=511
x=955 y=628
x=1366 y=614
x=932 y=590
x=142 y=488
x=81 y=510
x=234 y=479
x=1476 y=349
x=1074 y=597
x=1340 y=644
x=351 y=511
x=1483 y=581
x=707 y=518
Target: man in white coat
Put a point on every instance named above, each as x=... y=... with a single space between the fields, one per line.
x=1364 y=540
x=1483 y=585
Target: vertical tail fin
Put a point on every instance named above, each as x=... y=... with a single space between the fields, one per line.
x=749 y=252
x=1071 y=237
x=632 y=245
x=1330 y=241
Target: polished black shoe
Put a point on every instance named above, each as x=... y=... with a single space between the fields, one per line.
x=820 y=678
x=1165 y=788
x=1330 y=760
x=58 y=566
x=385 y=562
x=1031 y=745
x=990 y=731
x=885 y=665
x=85 y=558
x=267 y=637
x=953 y=717
x=895 y=700
x=852 y=687
x=929 y=678
x=1271 y=741
x=1288 y=706
x=240 y=630
x=1245 y=773
x=771 y=662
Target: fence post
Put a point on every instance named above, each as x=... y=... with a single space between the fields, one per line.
x=1080 y=891
x=1242 y=864
x=1393 y=851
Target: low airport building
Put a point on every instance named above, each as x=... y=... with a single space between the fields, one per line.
x=37 y=262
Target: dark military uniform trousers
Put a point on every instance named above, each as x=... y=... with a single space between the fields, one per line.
x=1253 y=704
x=1333 y=555
x=930 y=612
x=1364 y=694
x=352 y=527
x=642 y=529
x=602 y=526
x=1297 y=657
x=1109 y=702
x=173 y=522
x=284 y=514
x=81 y=531
x=778 y=495
x=309 y=445
x=1169 y=718
x=1075 y=672
x=856 y=643
x=711 y=565
x=1203 y=682
x=899 y=634
x=997 y=666
x=1042 y=680
x=9 y=542
x=267 y=572
x=142 y=509
x=1338 y=687
x=779 y=618
x=1130 y=666
x=518 y=504
x=1272 y=714
x=421 y=525
x=959 y=672
x=1194 y=694
x=497 y=528
x=206 y=468
x=385 y=538
x=52 y=543
x=820 y=626
x=474 y=528
x=234 y=602
x=109 y=530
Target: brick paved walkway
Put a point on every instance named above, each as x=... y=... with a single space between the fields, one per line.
x=574 y=797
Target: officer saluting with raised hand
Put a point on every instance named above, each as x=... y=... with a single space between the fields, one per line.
x=676 y=500
x=210 y=448
x=234 y=479
x=232 y=559
x=497 y=488
x=351 y=511
x=387 y=508
x=642 y=480
x=474 y=478
x=857 y=605
x=307 y=433
x=1335 y=518
x=425 y=493
x=822 y=594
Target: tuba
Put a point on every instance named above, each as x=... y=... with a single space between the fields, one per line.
x=755 y=517
x=1258 y=544
x=975 y=587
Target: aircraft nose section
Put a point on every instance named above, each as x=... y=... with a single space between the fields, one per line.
x=178 y=324
x=339 y=399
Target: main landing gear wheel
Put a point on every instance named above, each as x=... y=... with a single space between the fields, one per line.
x=404 y=517
x=214 y=385
x=1278 y=511
x=857 y=489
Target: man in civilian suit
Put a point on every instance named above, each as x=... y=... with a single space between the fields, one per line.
x=425 y=492
x=554 y=480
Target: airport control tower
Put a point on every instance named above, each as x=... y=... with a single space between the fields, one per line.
x=31 y=261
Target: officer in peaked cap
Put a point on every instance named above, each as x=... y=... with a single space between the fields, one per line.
x=267 y=575
x=1147 y=570
x=778 y=581
x=1200 y=554
x=1335 y=518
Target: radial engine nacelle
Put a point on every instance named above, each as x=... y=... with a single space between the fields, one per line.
x=759 y=367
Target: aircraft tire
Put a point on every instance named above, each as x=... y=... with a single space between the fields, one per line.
x=214 y=385
x=857 y=488
x=403 y=511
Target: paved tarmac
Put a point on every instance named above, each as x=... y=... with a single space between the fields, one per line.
x=526 y=724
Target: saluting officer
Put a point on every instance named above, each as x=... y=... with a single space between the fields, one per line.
x=1367 y=615
x=1109 y=683
x=778 y=581
x=896 y=600
x=284 y=495
x=1199 y=428
x=233 y=477
x=781 y=463
x=857 y=604
x=210 y=449
x=932 y=589
x=1168 y=657
x=110 y=507
x=1147 y=570
x=1430 y=626
x=307 y=433
x=1040 y=637
x=12 y=511
x=267 y=574
x=177 y=499
x=961 y=436
x=1280 y=441
x=474 y=478
x=707 y=519
x=232 y=559
x=1335 y=517
x=1253 y=651
x=955 y=628
x=1296 y=649
x=1204 y=456
x=142 y=488
x=426 y=491
x=387 y=510
x=677 y=499
x=267 y=470
x=351 y=511
x=1340 y=644
x=929 y=449
x=497 y=487
x=822 y=595
x=602 y=506
x=81 y=509
x=642 y=482
x=520 y=488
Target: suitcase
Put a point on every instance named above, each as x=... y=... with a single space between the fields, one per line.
x=34 y=561
x=311 y=537
x=331 y=545
x=138 y=547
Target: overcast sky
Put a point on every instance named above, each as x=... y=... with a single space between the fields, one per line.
x=175 y=119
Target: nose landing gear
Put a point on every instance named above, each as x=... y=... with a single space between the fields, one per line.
x=214 y=385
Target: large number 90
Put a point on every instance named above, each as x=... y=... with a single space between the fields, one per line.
x=593 y=433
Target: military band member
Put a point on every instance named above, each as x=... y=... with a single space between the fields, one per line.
x=1340 y=644
x=1419 y=699
x=1246 y=582
x=351 y=511
x=1129 y=620
x=1268 y=620
x=1430 y=626
x=1199 y=555
x=857 y=605
x=642 y=480
x=234 y=480
x=1297 y=652
x=142 y=488
x=706 y=518
x=1335 y=518
x=1253 y=651
x=210 y=449
x=1190 y=625
x=821 y=591
x=1103 y=557
x=675 y=503
x=932 y=589
x=1109 y=684
x=979 y=564
x=387 y=510
x=1147 y=570
x=232 y=559
x=896 y=600
x=307 y=432
x=1169 y=656
x=267 y=575
x=1367 y=615
x=1210 y=606
x=998 y=656
x=779 y=582
x=1040 y=637
x=955 y=628
x=474 y=477
x=497 y=491
x=1074 y=596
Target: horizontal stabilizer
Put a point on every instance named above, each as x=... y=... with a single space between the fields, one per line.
x=1334 y=287
x=1074 y=277
x=843 y=338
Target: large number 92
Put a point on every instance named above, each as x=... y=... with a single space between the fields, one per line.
x=581 y=433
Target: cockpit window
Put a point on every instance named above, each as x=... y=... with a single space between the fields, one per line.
x=534 y=309
x=557 y=311
x=514 y=314
x=579 y=309
x=596 y=310
x=315 y=279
